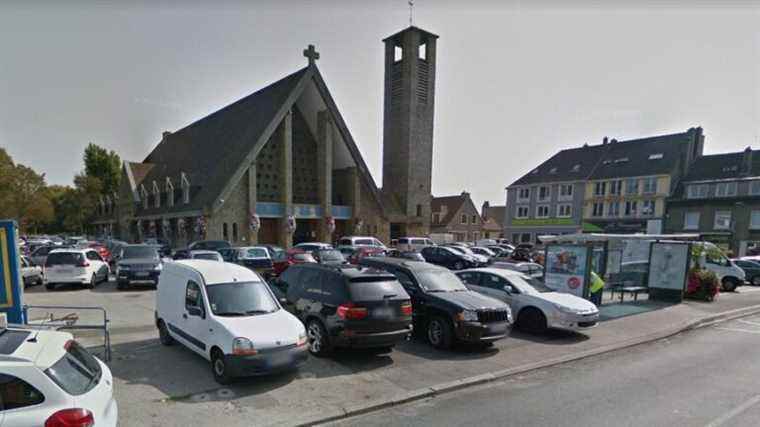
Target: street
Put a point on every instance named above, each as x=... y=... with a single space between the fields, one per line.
x=703 y=378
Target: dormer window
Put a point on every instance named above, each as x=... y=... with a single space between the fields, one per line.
x=535 y=172
x=607 y=162
x=156 y=195
x=621 y=160
x=553 y=171
x=185 y=183
x=655 y=156
x=144 y=196
x=576 y=168
x=169 y=192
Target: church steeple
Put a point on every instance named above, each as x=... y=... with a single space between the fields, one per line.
x=410 y=65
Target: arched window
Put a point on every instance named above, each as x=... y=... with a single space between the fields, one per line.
x=225 y=234
x=234 y=232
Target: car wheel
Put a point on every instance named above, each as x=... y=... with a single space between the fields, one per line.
x=532 y=320
x=40 y=280
x=121 y=285
x=439 y=333
x=50 y=286
x=219 y=368
x=730 y=284
x=756 y=281
x=458 y=265
x=163 y=334
x=93 y=282
x=319 y=343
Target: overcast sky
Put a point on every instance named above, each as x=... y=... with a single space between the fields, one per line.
x=515 y=83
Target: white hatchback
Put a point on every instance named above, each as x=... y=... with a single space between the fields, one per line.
x=47 y=378
x=80 y=266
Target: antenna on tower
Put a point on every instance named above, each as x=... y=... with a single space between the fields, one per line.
x=411 y=12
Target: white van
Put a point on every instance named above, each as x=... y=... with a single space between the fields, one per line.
x=227 y=314
x=730 y=275
x=415 y=244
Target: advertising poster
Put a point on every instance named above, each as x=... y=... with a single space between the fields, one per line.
x=566 y=268
x=11 y=291
x=668 y=265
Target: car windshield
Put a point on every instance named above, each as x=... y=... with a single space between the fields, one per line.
x=63 y=258
x=529 y=286
x=77 y=372
x=331 y=256
x=305 y=257
x=367 y=242
x=255 y=253
x=139 y=252
x=240 y=299
x=440 y=281
x=212 y=257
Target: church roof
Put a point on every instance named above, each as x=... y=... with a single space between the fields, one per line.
x=214 y=151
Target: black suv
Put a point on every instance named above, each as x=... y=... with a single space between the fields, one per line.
x=449 y=258
x=443 y=306
x=346 y=306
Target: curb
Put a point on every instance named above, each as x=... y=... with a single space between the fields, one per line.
x=448 y=387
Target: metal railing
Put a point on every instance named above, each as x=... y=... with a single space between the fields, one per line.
x=70 y=321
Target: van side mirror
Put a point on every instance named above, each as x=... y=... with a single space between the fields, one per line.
x=196 y=311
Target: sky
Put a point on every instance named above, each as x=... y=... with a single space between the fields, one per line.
x=516 y=81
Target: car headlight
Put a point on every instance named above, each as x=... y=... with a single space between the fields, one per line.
x=565 y=309
x=468 y=316
x=302 y=339
x=242 y=347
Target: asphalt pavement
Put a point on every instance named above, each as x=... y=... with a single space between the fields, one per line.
x=707 y=377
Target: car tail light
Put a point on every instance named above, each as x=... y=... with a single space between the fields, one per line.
x=76 y=417
x=349 y=311
x=406 y=309
x=83 y=264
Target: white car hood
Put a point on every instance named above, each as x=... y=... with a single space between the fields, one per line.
x=570 y=301
x=265 y=330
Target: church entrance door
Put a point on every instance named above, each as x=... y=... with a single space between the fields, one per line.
x=306 y=231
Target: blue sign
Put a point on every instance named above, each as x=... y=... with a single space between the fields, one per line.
x=11 y=283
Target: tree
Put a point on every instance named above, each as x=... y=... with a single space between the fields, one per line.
x=103 y=165
x=23 y=194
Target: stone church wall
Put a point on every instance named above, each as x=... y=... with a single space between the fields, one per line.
x=234 y=213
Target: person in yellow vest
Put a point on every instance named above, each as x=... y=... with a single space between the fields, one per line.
x=596 y=289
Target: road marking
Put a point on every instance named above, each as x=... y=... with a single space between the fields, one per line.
x=734 y=412
x=740 y=330
x=749 y=322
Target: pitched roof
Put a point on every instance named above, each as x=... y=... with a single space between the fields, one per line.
x=496 y=213
x=452 y=204
x=614 y=159
x=657 y=155
x=139 y=171
x=571 y=164
x=206 y=149
x=723 y=166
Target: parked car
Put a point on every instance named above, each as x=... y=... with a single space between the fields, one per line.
x=80 y=266
x=530 y=269
x=30 y=273
x=47 y=378
x=275 y=251
x=357 y=241
x=138 y=264
x=329 y=256
x=207 y=255
x=365 y=251
x=165 y=248
x=312 y=246
x=252 y=334
x=102 y=251
x=481 y=259
x=751 y=270
x=535 y=306
x=181 y=254
x=347 y=306
x=292 y=256
x=413 y=243
x=39 y=255
x=480 y=250
x=254 y=257
x=449 y=258
x=444 y=309
x=730 y=275
x=209 y=245
x=410 y=255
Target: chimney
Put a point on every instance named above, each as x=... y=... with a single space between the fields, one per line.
x=165 y=134
x=465 y=194
x=605 y=141
x=613 y=140
x=746 y=168
x=484 y=210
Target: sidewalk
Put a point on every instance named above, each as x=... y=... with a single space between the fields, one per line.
x=157 y=385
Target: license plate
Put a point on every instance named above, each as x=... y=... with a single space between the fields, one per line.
x=383 y=312
x=64 y=270
x=142 y=274
x=279 y=358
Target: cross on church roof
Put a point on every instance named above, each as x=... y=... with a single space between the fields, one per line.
x=311 y=53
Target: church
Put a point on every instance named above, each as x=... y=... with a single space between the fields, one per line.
x=280 y=166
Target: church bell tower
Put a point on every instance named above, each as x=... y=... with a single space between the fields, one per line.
x=409 y=101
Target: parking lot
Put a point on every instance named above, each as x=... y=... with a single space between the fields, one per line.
x=153 y=381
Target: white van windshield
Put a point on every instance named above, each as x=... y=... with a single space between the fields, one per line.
x=240 y=299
